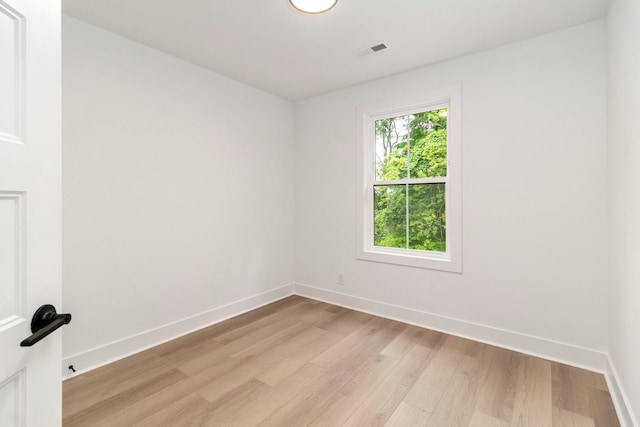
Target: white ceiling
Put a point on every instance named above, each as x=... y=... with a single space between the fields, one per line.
x=269 y=45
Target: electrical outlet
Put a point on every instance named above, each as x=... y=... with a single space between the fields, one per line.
x=340 y=278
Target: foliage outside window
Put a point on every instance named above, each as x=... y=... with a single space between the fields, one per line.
x=410 y=179
x=409 y=190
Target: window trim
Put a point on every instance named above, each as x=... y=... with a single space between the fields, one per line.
x=451 y=260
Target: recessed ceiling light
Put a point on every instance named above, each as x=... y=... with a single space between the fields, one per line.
x=313 y=6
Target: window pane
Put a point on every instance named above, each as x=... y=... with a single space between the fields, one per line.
x=427 y=217
x=428 y=144
x=390 y=216
x=391 y=148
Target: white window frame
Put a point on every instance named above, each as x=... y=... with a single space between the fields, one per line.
x=451 y=260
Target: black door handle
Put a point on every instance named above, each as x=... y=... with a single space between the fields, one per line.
x=45 y=320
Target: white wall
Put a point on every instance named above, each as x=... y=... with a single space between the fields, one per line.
x=534 y=191
x=177 y=189
x=624 y=194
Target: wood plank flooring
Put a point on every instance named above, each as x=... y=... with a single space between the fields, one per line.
x=299 y=362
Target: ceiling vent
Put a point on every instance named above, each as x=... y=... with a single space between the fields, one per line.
x=364 y=51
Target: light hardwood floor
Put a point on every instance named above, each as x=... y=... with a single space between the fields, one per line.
x=299 y=362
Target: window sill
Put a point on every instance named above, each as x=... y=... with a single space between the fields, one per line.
x=431 y=261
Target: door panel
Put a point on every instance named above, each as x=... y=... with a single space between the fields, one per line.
x=11 y=401
x=30 y=218
x=11 y=256
x=12 y=51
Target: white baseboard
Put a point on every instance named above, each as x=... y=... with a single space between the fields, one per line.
x=568 y=354
x=619 y=397
x=122 y=348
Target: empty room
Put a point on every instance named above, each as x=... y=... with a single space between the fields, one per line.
x=320 y=212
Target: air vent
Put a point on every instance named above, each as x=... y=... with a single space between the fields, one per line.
x=363 y=51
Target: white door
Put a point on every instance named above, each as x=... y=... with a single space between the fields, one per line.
x=30 y=218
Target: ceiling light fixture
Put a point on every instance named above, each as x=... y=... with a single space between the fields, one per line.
x=313 y=6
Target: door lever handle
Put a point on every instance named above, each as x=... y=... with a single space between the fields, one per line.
x=45 y=320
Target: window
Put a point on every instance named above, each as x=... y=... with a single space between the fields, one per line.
x=409 y=177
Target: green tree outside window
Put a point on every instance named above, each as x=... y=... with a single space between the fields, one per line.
x=412 y=149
